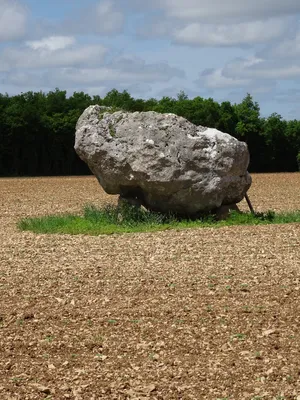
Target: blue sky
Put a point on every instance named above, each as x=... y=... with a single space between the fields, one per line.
x=208 y=48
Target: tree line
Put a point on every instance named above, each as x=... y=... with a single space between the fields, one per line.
x=37 y=129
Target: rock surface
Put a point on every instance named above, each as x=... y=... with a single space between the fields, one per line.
x=165 y=162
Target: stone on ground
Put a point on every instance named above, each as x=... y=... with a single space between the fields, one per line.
x=163 y=161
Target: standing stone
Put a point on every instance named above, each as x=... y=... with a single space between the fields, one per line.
x=163 y=161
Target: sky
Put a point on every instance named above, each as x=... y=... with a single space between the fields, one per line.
x=222 y=49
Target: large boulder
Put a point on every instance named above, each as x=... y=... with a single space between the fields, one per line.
x=162 y=160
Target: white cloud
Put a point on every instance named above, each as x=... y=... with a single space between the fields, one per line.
x=286 y=48
x=248 y=33
x=13 y=20
x=215 y=79
x=216 y=11
x=115 y=73
x=254 y=68
x=50 y=53
x=234 y=32
x=51 y=43
x=104 y=17
x=80 y=66
x=257 y=75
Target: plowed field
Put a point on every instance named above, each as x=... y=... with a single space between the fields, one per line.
x=194 y=314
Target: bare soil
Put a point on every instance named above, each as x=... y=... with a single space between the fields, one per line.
x=193 y=314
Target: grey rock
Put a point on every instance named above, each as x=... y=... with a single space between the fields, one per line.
x=165 y=162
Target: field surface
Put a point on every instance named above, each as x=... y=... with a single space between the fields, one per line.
x=192 y=314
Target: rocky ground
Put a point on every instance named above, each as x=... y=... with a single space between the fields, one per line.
x=193 y=314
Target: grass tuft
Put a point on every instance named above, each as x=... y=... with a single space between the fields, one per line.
x=113 y=219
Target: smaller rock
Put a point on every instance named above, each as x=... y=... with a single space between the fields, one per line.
x=41 y=388
x=269 y=332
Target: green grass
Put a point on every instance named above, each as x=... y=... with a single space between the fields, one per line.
x=112 y=219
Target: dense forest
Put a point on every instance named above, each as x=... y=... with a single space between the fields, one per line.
x=37 y=129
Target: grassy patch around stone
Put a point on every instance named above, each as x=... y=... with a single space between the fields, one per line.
x=112 y=219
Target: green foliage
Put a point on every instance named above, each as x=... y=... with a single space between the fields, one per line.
x=112 y=130
x=248 y=113
x=249 y=128
x=118 y=100
x=112 y=219
x=126 y=215
x=228 y=118
x=276 y=144
x=37 y=129
x=37 y=133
